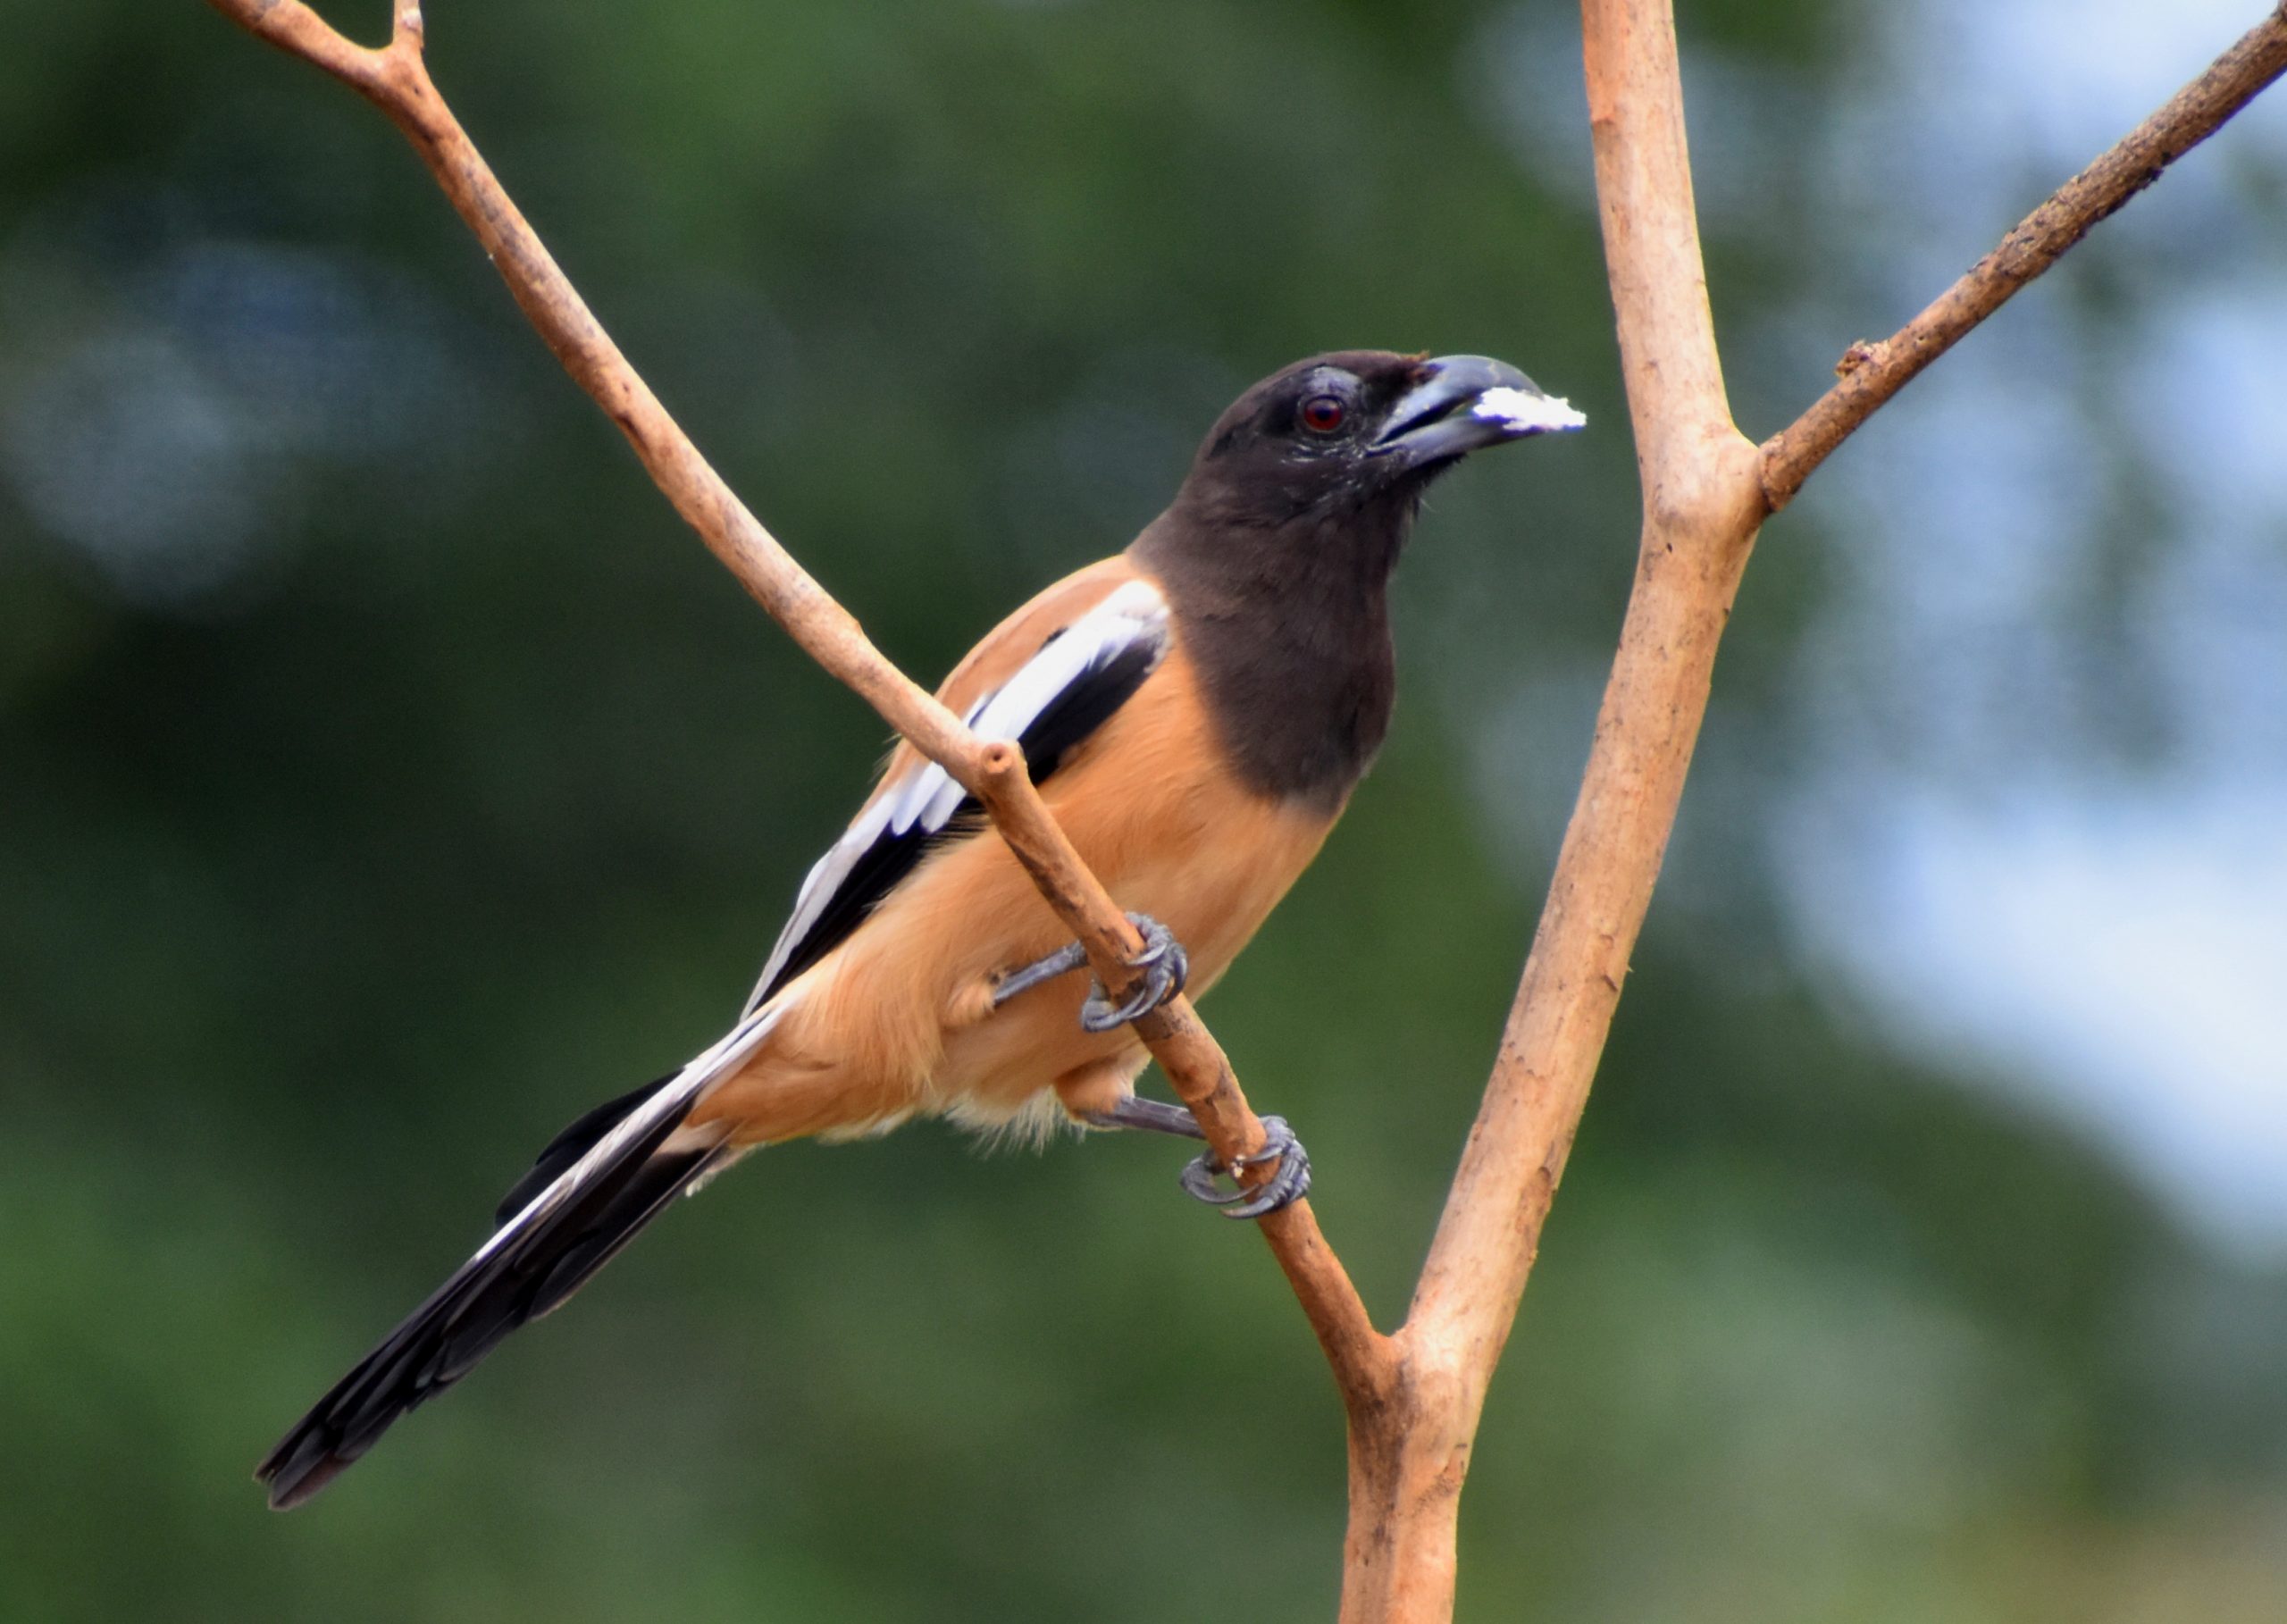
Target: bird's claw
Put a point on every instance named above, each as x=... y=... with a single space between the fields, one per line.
x=1165 y=968
x=1288 y=1184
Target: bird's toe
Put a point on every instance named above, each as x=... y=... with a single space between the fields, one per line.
x=1165 y=967
x=1288 y=1184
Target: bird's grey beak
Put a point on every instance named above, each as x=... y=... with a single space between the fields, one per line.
x=1466 y=402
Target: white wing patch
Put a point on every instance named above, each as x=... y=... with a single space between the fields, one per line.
x=924 y=797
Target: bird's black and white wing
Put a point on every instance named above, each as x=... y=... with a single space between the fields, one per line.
x=1084 y=672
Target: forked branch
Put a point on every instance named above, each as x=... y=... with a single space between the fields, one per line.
x=1705 y=491
x=1414 y=1399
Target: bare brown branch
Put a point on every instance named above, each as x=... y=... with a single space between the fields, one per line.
x=1873 y=372
x=1704 y=489
x=1414 y=1399
x=396 y=79
x=1701 y=506
x=1700 y=511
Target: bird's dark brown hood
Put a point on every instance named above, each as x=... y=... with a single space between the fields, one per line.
x=1277 y=553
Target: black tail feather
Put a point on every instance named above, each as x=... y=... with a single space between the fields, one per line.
x=580 y=1136
x=515 y=1279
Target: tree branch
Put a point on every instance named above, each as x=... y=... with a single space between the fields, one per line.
x=1701 y=504
x=1871 y=372
x=1705 y=490
x=1700 y=511
x=396 y=79
x=1414 y=1399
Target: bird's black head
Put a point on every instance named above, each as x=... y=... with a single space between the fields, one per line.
x=1359 y=434
x=1277 y=553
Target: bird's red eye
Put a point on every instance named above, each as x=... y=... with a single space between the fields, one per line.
x=1323 y=413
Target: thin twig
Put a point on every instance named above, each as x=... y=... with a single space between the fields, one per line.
x=1872 y=371
x=396 y=79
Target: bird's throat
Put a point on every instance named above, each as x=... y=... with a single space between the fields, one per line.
x=1290 y=636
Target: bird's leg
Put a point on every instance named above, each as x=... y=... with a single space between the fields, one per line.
x=1290 y=1182
x=1162 y=961
x=1165 y=967
x=1149 y=1116
x=1070 y=956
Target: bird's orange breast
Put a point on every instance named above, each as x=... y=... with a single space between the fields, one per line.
x=898 y=1021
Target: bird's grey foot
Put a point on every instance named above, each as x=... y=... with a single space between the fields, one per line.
x=1163 y=960
x=1165 y=968
x=1287 y=1185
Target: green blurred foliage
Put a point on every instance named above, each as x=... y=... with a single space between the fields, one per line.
x=438 y=786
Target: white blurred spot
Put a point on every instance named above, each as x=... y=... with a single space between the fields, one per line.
x=2047 y=701
x=124 y=449
x=169 y=412
x=2123 y=949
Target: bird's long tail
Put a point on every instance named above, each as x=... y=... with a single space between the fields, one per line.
x=596 y=1185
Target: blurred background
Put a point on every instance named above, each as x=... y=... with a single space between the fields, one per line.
x=386 y=776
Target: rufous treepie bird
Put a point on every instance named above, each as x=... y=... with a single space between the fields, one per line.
x=1195 y=711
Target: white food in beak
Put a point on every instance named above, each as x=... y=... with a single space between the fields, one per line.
x=1521 y=413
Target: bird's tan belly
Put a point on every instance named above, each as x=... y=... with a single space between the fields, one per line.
x=898 y=1020
x=1213 y=897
